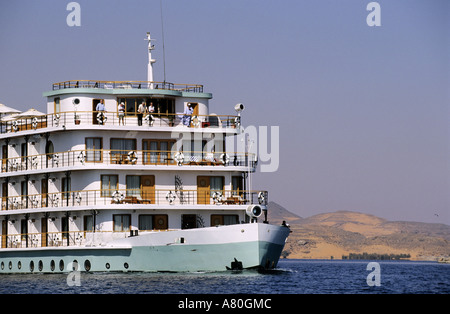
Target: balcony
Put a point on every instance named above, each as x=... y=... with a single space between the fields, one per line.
x=116 y=197
x=107 y=119
x=125 y=157
x=195 y=88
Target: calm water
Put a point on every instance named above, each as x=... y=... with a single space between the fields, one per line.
x=291 y=277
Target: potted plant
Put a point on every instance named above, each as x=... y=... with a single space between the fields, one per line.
x=77 y=118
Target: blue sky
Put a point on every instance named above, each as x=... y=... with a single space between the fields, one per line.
x=363 y=111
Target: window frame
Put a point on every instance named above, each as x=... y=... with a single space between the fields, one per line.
x=108 y=192
x=121 y=222
x=94 y=150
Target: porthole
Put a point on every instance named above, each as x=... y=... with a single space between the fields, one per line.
x=125 y=265
x=2 y=265
x=52 y=265
x=61 y=265
x=10 y=265
x=87 y=265
x=107 y=265
x=75 y=265
x=19 y=264
x=40 y=265
x=31 y=266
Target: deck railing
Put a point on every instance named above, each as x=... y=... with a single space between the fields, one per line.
x=146 y=196
x=111 y=118
x=158 y=158
x=63 y=238
x=128 y=85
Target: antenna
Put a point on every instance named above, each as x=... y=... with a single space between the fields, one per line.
x=164 y=50
x=150 y=61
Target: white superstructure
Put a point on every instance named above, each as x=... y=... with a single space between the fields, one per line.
x=121 y=190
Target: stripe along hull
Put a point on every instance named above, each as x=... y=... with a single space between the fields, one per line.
x=207 y=249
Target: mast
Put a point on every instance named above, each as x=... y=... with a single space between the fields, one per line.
x=150 y=61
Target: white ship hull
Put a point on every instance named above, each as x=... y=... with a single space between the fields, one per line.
x=219 y=248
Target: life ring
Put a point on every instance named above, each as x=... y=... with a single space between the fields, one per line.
x=170 y=197
x=101 y=118
x=195 y=121
x=56 y=159
x=217 y=197
x=34 y=201
x=225 y=158
x=149 y=119
x=55 y=200
x=261 y=198
x=34 y=123
x=132 y=156
x=81 y=158
x=237 y=122
x=179 y=158
x=15 y=126
x=56 y=119
x=34 y=162
x=78 y=198
x=118 y=196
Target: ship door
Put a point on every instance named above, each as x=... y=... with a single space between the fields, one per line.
x=4 y=233
x=44 y=191
x=148 y=189
x=44 y=228
x=203 y=190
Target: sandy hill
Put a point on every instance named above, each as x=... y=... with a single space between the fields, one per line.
x=344 y=232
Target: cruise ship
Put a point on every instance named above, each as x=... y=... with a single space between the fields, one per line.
x=130 y=176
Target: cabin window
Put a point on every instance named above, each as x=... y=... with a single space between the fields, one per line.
x=216 y=184
x=122 y=222
x=49 y=149
x=65 y=227
x=65 y=187
x=109 y=184
x=153 y=222
x=88 y=223
x=94 y=148
x=157 y=151
x=145 y=222
x=57 y=106
x=222 y=220
x=122 y=146
x=163 y=106
x=24 y=152
x=237 y=185
x=133 y=185
x=189 y=221
x=24 y=229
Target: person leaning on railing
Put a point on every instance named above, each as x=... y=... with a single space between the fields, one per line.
x=141 y=110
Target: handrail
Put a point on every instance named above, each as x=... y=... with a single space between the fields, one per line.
x=112 y=197
x=63 y=238
x=127 y=85
x=127 y=157
x=111 y=118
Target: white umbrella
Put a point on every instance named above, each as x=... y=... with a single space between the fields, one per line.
x=4 y=109
x=30 y=113
x=10 y=117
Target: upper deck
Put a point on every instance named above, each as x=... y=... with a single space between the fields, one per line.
x=73 y=104
x=127 y=87
x=193 y=88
